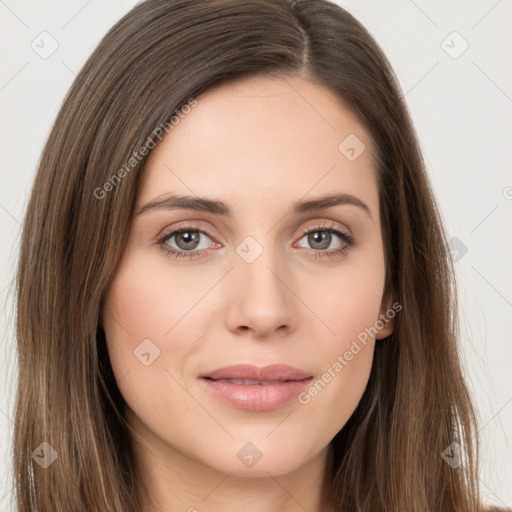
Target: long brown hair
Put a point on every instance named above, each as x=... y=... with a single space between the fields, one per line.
x=389 y=456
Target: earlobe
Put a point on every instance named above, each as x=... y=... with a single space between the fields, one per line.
x=387 y=328
x=386 y=321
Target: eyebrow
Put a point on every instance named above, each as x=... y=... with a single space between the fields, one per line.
x=203 y=204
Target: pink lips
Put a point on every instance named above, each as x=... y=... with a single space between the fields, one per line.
x=256 y=389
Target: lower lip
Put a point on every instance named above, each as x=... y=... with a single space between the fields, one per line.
x=256 y=397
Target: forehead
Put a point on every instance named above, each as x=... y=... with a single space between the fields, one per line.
x=263 y=137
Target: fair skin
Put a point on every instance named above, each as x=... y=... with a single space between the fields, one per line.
x=259 y=145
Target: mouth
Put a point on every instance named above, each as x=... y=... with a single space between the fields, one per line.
x=248 y=372
x=247 y=382
x=256 y=389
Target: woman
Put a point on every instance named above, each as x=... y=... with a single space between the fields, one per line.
x=183 y=342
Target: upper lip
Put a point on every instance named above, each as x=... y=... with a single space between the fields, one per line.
x=272 y=372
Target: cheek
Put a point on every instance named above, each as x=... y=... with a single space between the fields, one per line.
x=346 y=362
x=349 y=305
x=138 y=310
x=347 y=301
x=147 y=301
x=143 y=319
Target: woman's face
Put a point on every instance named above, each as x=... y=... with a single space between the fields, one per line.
x=261 y=276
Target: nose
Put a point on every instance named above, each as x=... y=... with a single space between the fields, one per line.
x=261 y=298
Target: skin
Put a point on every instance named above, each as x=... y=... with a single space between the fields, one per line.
x=258 y=144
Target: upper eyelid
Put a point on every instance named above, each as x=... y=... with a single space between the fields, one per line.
x=170 y=232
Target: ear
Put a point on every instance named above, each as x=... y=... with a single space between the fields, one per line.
x=388 y=311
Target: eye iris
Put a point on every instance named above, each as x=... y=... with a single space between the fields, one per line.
x=187 y=239
x=323 y=236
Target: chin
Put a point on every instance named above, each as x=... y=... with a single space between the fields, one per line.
x=247 y=460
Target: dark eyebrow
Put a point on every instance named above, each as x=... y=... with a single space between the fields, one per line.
x=328 y=201
x=202 y=204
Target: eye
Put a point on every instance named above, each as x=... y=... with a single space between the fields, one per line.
x=186 y=242
x=321 y=239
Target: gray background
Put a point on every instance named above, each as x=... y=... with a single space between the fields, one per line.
x=461 y=104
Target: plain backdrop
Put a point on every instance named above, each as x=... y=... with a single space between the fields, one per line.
x=453 y=60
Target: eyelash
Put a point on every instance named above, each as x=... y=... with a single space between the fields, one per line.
x=345 y=237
